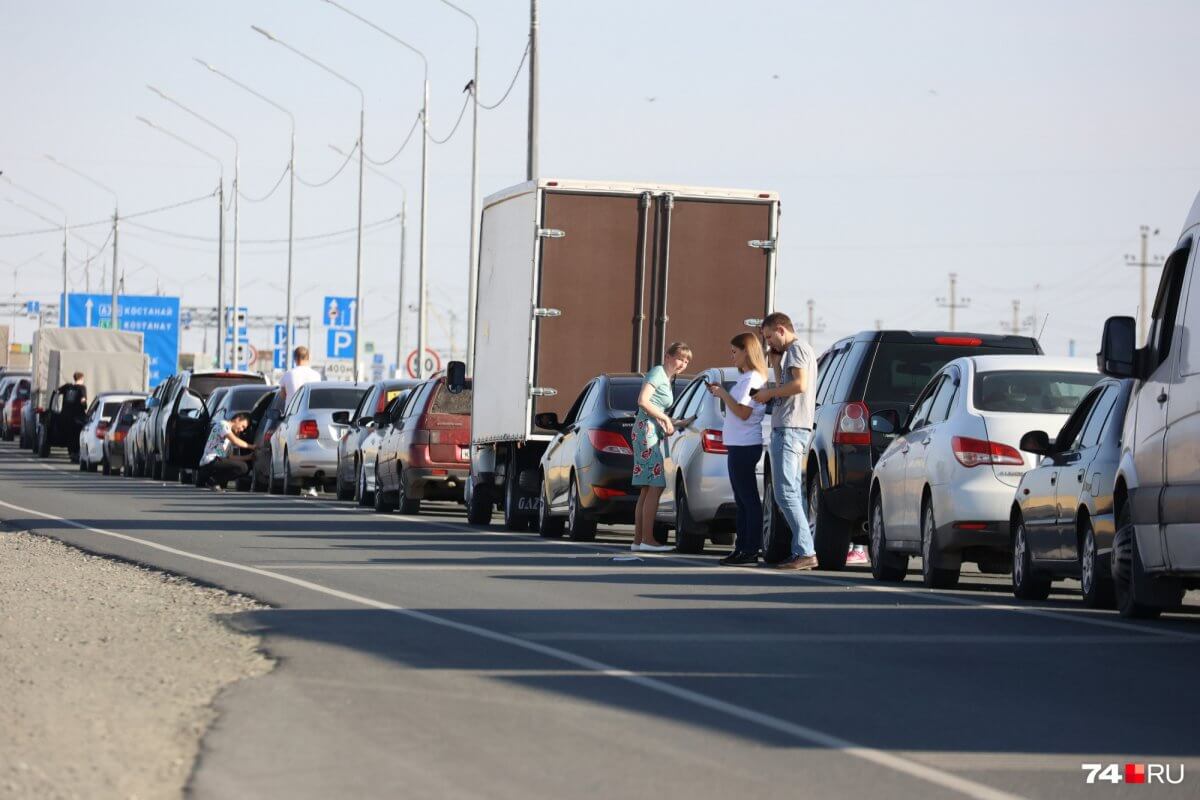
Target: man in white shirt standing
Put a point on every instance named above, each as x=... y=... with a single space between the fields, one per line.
x=298 y=375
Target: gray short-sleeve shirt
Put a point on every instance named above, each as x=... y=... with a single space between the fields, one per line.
x=799 y=410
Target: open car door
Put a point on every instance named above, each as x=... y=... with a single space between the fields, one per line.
x=187 y=430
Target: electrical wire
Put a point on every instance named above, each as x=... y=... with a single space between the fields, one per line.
x=310 y=238
x=461 y=113
x=287 y=168
x=511 y=84
x=330 y=179
x=403 y=145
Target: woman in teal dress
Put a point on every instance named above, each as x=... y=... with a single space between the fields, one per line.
x=650 y=431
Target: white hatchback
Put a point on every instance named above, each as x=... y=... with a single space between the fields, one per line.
x=944 y=486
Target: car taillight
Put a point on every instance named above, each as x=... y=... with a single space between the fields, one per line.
x=101 y=429
x=119 y=435
x=713 y=441
x=977 y=452
x=603 y=493
x=609 y=442
x=958 y=341
x=853 y=426
x=309 y=430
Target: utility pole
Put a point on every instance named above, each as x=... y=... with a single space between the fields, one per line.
x=814 y=325
x=531 y=165
x=1144 y=264
x=954 y=302
x=1014 y=327
x=878 y=324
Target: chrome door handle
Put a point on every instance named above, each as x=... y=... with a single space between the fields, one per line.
x=1079 y=475
x=1162 y=397
x=926 y=440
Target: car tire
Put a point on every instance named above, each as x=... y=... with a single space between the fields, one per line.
x=169 y=473
x=105 y=467
x=343 y=492
x=1028 y=582
x=404 y=503
x=580 y=527
x=384 y=503
x=479 y=506
x=1130 y=580
x=689 y=537
x=1095 y=571
x=43 y=445
x=290 y=486
x=933 y=576
x=361 y=496
x=156 y=469
x=886 y=565
x=549 y=526
x=82 y=465
x=514 y=519
x=831 y=533
x=273 y=484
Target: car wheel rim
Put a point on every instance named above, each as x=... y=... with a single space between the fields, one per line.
x=813 y=504
x=1019 y=556
x=573 y=502
x=927 y=542
x=876 y=532
x=1088 y=566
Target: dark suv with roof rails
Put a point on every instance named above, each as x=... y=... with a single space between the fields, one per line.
x=858 y=376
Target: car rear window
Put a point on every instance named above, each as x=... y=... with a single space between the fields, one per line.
x=110 y=409
x=340 y=399
x=446 y=403
x=204 y=385
x=246 y=400
x=901 y=370
x=1030 y=392
x=623 y=394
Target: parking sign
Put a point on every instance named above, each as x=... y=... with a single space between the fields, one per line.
x=339 y=343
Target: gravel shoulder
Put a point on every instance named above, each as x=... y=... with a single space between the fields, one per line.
x=108 y=672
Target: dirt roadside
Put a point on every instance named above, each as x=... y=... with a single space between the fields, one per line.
x=108 y=672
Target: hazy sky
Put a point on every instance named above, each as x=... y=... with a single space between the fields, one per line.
x=1019 y=144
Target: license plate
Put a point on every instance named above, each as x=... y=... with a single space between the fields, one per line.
x=464 y=454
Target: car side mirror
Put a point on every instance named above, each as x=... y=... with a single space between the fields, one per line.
x=886 y=422
x=547 y=420
x=1038 y=443
x=341 y=418
x=1118 y=354
x=456 y=377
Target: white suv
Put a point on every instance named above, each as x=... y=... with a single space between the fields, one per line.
x=1156 y=549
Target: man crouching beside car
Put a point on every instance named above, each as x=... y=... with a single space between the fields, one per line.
x=219 y=465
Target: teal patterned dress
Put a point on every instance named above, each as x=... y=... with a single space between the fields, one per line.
x=649 y=439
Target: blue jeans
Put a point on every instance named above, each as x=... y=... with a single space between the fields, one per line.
x=788 y=447
x=742 y=461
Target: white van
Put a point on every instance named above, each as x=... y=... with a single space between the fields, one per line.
x=1156 y=550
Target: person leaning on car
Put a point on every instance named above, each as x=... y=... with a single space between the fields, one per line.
x=217 y=465
x=74 y=405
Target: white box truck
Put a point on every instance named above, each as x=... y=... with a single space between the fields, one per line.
x=579 y=278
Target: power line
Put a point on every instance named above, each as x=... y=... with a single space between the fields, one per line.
x=461 y=112
x=330 y=179
x=512 y=83
x=403 y=145
x=267 y=196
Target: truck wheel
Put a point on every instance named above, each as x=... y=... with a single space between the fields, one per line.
x=514 y=519
x=479 y=507
x=549 y=526
x=689 y=537
x=1139 y=596
x=831 y=533
x=580 y=527
x=1028 y=582
x=885 y=565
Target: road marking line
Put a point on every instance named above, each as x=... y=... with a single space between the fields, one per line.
x=804 y=733
x=847 y=638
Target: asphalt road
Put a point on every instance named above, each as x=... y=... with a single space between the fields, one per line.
x=423 y=658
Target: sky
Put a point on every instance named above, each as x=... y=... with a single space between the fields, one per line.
x=1017 y=144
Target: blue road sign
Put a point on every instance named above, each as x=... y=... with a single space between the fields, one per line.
x=156 y=318
x=33 y=308
x=338 y=312
x=243 y=331
x=279 y=360
x=279 y=339
x=339 y=343
x=377 y=358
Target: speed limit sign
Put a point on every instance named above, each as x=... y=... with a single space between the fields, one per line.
x=433 y=362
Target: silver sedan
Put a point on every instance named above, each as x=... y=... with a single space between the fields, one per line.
x=304 y=448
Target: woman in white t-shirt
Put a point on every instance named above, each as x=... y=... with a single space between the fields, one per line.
x=743 y=439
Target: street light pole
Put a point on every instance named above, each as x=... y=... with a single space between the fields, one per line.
x=473 y=266
x=63 y=314
x=422 y=289
x=116 y=217
x=220 y=232
x=531 y=163
x=362 y=146
x=287 y=330
x=236 y=240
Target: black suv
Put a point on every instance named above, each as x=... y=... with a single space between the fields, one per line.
x=868 y=372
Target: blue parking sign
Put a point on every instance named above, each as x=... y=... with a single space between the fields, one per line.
x=339 y=343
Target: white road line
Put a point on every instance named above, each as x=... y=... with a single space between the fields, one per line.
x=906 y=766
x=847 y=638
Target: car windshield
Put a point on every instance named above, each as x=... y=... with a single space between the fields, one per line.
x=901 y=370
x=1029 y=392
x=446 y=403
x=245 y=399
x=340 y=399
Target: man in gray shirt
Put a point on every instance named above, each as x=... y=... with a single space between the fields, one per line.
x=794 y=408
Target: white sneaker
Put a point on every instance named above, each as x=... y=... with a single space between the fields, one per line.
x=312 y=491
x=635 y=547
x=656 y=548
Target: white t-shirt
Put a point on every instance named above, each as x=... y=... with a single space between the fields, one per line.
x=742 y=432
x=296 y=377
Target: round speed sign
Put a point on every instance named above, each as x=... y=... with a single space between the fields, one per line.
x=433 y=363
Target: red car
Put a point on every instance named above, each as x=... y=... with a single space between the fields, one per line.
x=426 y=454
x=14 y=394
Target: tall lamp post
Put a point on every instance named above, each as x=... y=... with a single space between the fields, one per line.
x=116 y=217
x=220 y=227
x=473 y=266
x=237 y=330
x=63 y=316
x=422 y=314
x=362 y=116
x=403 y=251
